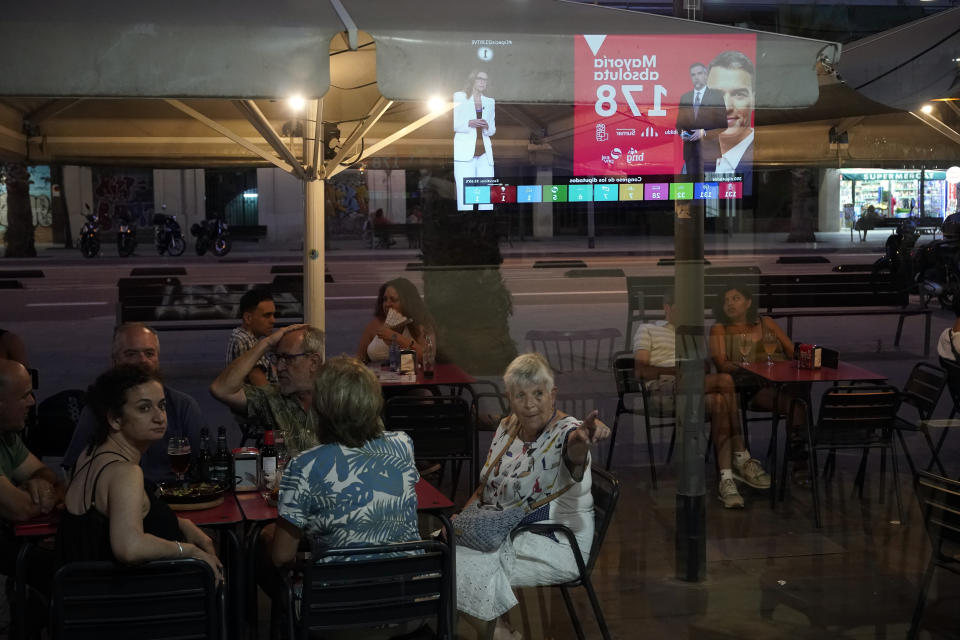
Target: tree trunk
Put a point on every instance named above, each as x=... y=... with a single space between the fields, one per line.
x=19 y=236
x=463 y=287
x=58 y=208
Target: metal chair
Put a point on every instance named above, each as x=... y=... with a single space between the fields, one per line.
x=655 y=415
x=163 y=599
x=922 y=391
x=953 y=387
x=855 y=417
x=939 y=500
x=414 y=581
x=441 y=428
x=579 y=350
x=606 y=493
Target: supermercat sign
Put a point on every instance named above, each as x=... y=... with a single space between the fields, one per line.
x=913 y=174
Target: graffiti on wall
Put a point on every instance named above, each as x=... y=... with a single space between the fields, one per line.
x=347 y=203
x=40 y=203
x=125 y=193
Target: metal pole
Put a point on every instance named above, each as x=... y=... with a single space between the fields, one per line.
x=691 y=515
x=314 y=257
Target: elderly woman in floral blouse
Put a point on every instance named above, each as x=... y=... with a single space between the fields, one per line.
x=544 y=452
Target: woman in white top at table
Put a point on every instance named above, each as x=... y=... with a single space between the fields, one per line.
x=400 y=296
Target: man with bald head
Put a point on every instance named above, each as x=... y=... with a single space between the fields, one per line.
x=286 y=406
x=134 y=343
x=27 y=486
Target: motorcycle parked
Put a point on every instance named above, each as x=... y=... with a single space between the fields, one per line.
x=90 y=234
x=126 y=236
x=213 y=235
x=167 y=234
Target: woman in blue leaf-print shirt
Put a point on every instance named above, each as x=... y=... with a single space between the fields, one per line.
x=355 y=489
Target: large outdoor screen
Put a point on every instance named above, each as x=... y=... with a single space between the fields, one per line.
x=666 y=105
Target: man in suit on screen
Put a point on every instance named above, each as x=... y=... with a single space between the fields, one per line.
x=699 y=120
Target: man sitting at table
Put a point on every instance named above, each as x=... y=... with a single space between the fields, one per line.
x=287 y=405
x=655 y=356
x=257 y=313
x=28 y=488
x=134 y=343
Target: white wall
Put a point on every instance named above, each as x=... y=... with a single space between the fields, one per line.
x=830 y=210
x=280 y=207
x=183 y=191
x=388 y=191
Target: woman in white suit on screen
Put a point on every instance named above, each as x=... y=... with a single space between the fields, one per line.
x=474 y=123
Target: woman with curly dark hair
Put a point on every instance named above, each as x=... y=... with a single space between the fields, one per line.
x=112 y=511
x=399 y=315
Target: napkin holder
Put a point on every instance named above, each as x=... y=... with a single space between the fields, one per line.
x=829 y=358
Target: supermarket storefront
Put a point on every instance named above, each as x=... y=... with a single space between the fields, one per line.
x=895 y=193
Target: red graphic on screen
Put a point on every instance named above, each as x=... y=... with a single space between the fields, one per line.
x=731 y=190
x=503 y=193
x=628 y=94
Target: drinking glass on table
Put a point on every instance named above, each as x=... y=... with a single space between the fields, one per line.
x=770 y=343
x=746 y=347
x=178 y=450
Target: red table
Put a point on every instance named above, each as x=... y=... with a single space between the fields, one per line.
x=256 y=509
x=443 y=374
x=786 y=372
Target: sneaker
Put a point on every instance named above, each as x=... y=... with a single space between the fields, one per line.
x=729 y=495
x=752 y=474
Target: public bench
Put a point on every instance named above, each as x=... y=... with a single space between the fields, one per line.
x=167 y=304
x=926 y=225
x=790 y=297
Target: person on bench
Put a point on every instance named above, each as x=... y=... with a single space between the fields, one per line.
x=257 y=314
x=286 y=406
x=654 y=348
x=134 y=343
x=866 y=222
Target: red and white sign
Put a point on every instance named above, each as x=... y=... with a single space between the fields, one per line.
x=627 y=92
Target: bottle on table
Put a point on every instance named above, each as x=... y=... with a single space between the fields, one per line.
x=394 y=354
x=268 y=460
x=221 y=465
x=429 y=356
x=204 y=457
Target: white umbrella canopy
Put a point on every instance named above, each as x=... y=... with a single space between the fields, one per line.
x=907 y=65
x=88 y=85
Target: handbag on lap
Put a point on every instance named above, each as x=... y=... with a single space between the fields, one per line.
x=485 y=527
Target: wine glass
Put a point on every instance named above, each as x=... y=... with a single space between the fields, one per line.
x=178 y=450
x=770 y=343
x=746 y=347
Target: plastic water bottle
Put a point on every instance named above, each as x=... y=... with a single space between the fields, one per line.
x=394 y=354
x=429 y=356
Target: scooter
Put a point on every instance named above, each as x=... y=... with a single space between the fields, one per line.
x=212 y=234
x=90 y=234
x=167 y=234
x=126 y=236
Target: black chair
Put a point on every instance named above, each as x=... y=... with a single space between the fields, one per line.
x=415 y=582
x=939 y=500
x=656 y=415
x=57 y=418
x=441 y=428
x=855 y=417
x=159 y=600
x=922 y=391
x=606 y=492
x=953 y=387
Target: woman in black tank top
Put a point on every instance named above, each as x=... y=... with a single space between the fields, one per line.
x=112 y=512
